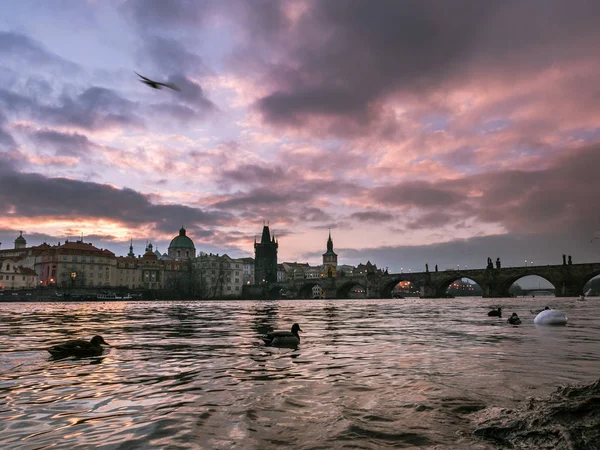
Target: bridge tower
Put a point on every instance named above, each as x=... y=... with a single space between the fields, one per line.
x=265 y=257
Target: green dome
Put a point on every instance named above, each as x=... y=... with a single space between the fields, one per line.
x=181 y=241
x=20 y=239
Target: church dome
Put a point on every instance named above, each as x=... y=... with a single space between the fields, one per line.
x=182 y=241
x=20 y=241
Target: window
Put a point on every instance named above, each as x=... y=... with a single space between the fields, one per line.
x=74 y=258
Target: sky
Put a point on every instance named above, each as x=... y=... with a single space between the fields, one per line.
x=416 y=131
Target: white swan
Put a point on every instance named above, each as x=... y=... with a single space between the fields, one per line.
x=550 y=317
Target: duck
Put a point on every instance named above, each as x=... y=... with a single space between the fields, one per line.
x=79 y=348
x=536 y=312
x=514 y=319
x=495 y=312
x=283 y=338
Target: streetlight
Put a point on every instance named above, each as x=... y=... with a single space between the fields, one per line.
x=525 y=263
x=401 y=270
x=531 y=262
x=465 y=267
x=458 y=267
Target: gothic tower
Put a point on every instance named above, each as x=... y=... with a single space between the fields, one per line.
x=265 y=257
x=330 y=257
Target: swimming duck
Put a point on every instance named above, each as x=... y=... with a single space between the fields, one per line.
x=495 y=312
x=536 y=312
x=283 y=338
x=79 y=347
x=514 y=319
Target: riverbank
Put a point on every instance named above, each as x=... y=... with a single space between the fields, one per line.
x=569 y=418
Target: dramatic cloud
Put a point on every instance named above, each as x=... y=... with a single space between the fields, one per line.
x=354 y=54
x=170 y=55
x=6 y=140
x=372 y=216
x=95 y=108
x=64 y=144
x=33 y=195
x=16 y=48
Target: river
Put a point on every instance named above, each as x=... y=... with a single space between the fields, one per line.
x=368 y=374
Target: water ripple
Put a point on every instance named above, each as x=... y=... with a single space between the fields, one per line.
x=367 y=374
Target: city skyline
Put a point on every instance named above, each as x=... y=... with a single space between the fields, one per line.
x=417 y=133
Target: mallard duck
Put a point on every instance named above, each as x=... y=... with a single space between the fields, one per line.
x=79 y=347
x=283 y=338
x=514 y=319
x=495 y=312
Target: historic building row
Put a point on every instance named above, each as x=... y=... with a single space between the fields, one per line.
x=79 y=264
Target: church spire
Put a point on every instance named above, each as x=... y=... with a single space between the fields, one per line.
x=330 y=257
x=131 y=254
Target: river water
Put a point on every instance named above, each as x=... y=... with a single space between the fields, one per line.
x=368 y=374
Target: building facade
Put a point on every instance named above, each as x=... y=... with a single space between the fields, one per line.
x=219 y=276
x=15 y=276
x=76 y=264
x=248 y=270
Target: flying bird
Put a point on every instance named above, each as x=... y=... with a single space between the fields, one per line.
x=156 y=84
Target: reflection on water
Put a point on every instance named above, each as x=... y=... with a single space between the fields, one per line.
x=367 y=374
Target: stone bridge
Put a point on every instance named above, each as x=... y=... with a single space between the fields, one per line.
x=568 y=281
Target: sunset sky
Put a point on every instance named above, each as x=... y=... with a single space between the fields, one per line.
x=417 y=131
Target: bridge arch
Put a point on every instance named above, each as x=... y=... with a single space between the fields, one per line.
x=344 y=290
x=509 y=282
x=275 y=292
x=386 y=290
x=589 y=279
x=305 y=291
x=441 y=287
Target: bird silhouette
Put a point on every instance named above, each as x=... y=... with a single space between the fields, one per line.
x=156 y=84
